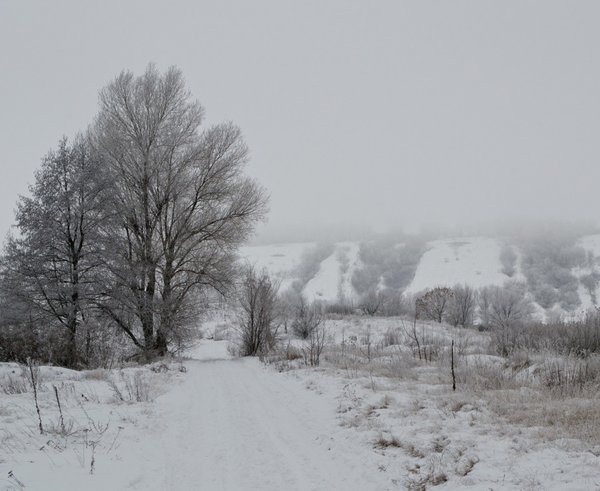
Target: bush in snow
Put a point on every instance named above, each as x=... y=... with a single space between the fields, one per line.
x=307 y=318
x=257 y=319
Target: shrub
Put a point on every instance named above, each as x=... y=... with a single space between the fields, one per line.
x=257 y=324
x=134 y=387
x=314 y=346
x=307 y=318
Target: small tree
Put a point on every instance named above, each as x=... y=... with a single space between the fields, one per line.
x=434 y=303
x=372 y=302
x=462 y=306
x=509 y=307
x=257 y=319
x=307 y=318
x=314 y=346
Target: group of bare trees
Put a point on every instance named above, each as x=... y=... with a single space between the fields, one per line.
x=131 y=223
x=496 y=306
x=263 y=314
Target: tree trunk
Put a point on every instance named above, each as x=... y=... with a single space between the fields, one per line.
x=166 y=318
x=72 y=323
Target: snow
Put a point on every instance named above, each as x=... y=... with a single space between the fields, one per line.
x=333 y=278
x=228 y=424
x=332 y=281
x=280 y=260
x=474 y=261
x=236 y=424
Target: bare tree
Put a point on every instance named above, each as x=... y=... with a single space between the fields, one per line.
x=509 y=305
x=372 y=302
x=433 y=304
x=509 y=309
x=314 y=346
x=461 y=308
x=182 y=204
x=212 y=209
x=257 y=319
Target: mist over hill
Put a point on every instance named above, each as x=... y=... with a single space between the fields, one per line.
x=558 y=267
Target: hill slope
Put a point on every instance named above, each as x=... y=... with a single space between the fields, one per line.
x=560 y=275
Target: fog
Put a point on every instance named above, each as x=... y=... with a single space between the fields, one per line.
x=361 y=116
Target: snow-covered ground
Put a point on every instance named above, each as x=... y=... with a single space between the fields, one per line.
x=236 y=424
x=474 y=261
x=224 y=424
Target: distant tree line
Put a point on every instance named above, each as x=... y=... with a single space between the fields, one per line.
x=127 y=228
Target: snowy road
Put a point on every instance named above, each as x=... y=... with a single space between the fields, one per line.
x=234 y=425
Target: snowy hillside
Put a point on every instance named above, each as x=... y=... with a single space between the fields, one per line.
x=564 y=278
x=589 y=274
x=280 y=260
x=333 y=281
x=473 y=261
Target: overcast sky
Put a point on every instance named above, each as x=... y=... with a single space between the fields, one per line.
x=374 y=113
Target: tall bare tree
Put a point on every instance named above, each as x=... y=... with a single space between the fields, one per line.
x=182 y=202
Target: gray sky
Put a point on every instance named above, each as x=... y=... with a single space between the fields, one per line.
x=382 y=113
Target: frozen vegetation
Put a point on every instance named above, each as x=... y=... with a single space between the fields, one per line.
x=375 y=411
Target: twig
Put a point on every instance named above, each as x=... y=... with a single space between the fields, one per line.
x=35 y=397
x=452 y=366
x=62 y=421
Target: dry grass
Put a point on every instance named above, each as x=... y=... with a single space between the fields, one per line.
x=530 y=388
x=96 y=374
x=558 y=418
x=15 y=384
x=136 y=387
x=383 y=442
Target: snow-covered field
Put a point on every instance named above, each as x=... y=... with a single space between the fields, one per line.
x=371 y=417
